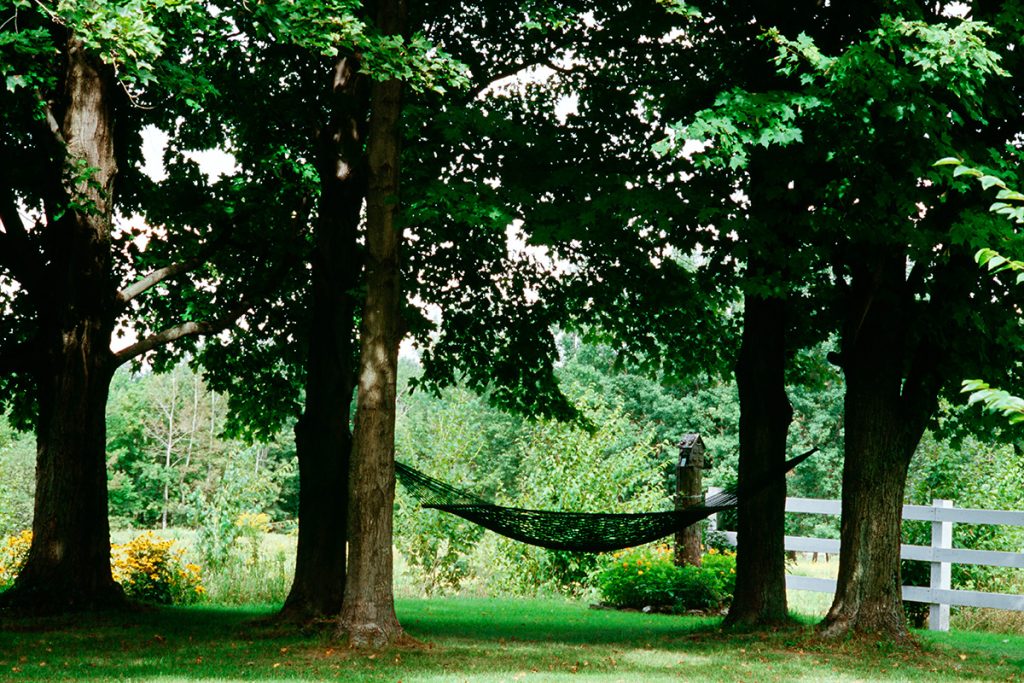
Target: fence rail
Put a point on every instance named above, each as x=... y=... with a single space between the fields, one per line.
x=940 y=554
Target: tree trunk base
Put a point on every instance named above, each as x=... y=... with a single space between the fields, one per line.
x=755 y=619
x=306 y=614
x=880 y=625
x=40 y=600
x=364 y=631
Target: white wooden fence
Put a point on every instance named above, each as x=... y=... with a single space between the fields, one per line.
x=940 y=554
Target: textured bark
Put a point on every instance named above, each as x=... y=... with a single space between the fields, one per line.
x=689 y=493
x=765 y=414
x=68 y=565
x=322 y=437
x=885 y=418
x=368 y=616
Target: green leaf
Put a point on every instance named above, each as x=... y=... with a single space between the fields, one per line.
x=988 y=181
x=948 y=161
x=16 y=81
x=966 y=170
x=1010 y=194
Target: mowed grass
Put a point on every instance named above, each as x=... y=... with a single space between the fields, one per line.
x=483 y=640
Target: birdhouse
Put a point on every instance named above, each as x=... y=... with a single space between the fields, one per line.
x=692 y=452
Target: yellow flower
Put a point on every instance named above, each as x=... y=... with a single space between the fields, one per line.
x=639 y=572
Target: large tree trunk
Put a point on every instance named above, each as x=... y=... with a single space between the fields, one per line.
x=368 y=612
x=322 y=437
x=68 y=565
x=885 y=418
x=765 y=414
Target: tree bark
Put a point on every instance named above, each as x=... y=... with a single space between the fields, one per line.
x=885 y=419
x=765 y=414
x=68 y=564
x=368 y=616
x=322 y=436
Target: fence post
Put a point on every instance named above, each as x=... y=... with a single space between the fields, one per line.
x=942 y=537
x=689 y=492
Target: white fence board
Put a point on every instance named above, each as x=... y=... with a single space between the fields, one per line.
x=939 y=554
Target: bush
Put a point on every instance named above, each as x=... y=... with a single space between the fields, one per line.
x=147 y=567
x=13 y=553
x=648 y=577
x=151 y=569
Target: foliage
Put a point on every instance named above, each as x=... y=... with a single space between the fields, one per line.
x=975 y=473
x=459 y=438
x=13 y=554
x=611 y=467
x=166 y=448
x=224 y=513
x=17 y=470
x=647 y=577
x=149 y=568
x=1010 y=204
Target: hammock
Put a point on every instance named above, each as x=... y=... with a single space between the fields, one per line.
x=579 y=531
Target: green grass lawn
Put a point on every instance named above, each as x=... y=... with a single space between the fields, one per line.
x=480 y=640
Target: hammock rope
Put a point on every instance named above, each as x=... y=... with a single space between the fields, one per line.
x=578 y=531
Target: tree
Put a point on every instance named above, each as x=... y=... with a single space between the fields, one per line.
x=74 y=74
x=368 y=615
x=894 y=100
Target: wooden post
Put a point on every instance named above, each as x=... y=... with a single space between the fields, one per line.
x=942 y=537
x=689 y=492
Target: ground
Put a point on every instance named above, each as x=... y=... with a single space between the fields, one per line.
x=480 y=640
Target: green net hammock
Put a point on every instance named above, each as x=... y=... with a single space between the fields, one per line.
x=580 y=531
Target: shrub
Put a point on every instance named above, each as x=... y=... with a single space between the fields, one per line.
x=13 y=553
x=648 y=577
x=147 y=567
x=151 y=569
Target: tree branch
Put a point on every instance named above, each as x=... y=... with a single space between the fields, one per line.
x=192 y=328
x=156 y=277
x=187 y=329
x=493 y=78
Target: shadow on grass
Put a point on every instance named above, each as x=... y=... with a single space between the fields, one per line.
x=482 y=640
